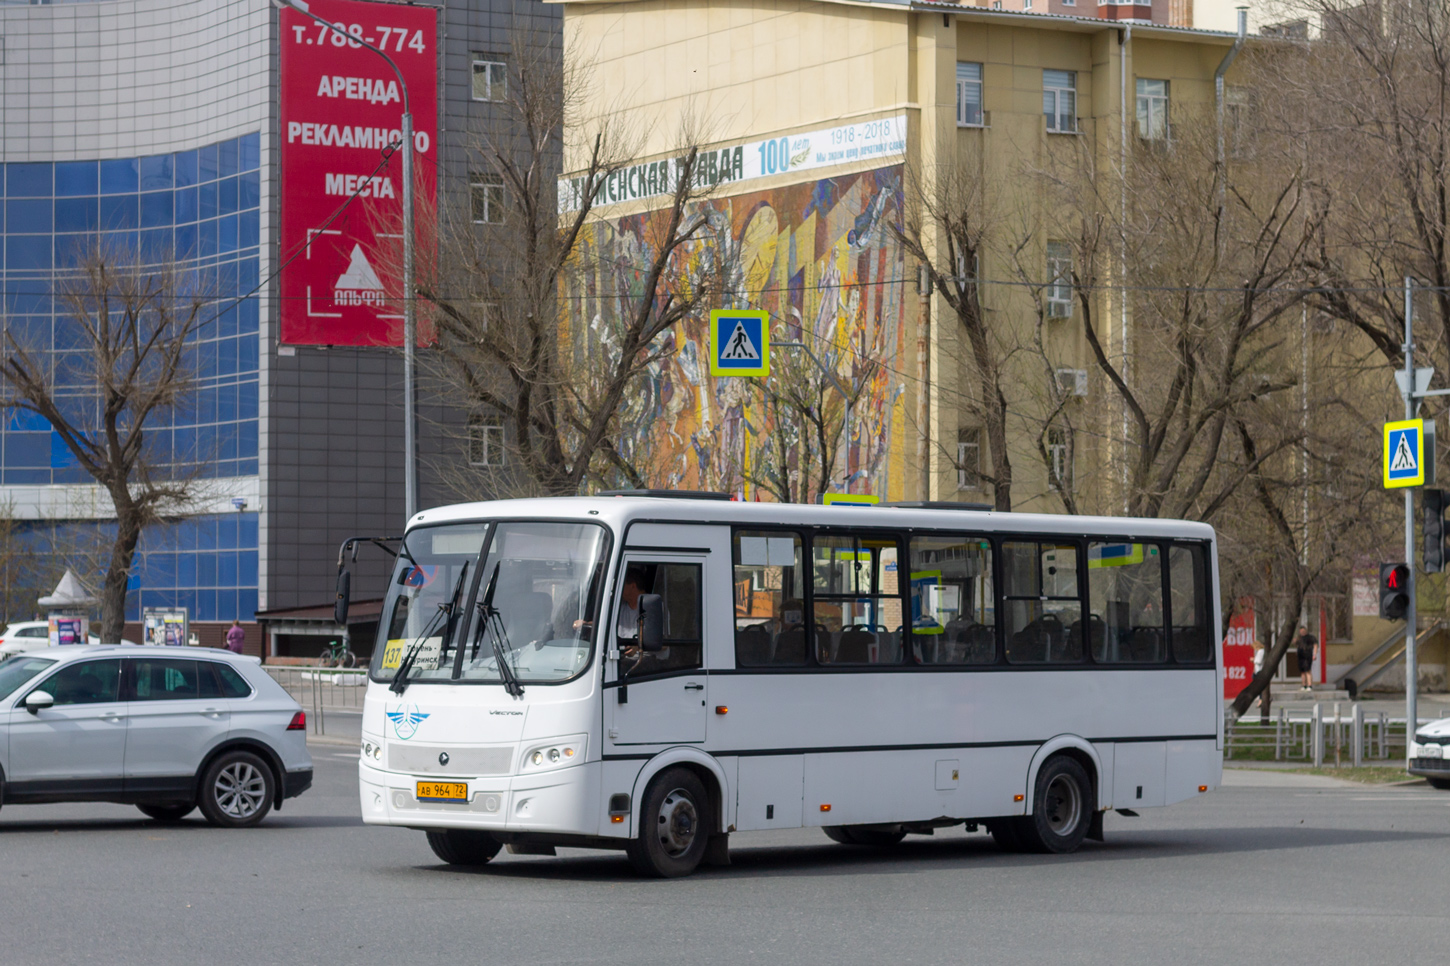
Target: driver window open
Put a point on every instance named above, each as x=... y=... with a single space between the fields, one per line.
x=678 y=585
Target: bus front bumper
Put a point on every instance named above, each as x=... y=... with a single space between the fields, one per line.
x=562 y=801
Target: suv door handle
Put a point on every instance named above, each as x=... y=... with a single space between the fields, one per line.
x=694 y=687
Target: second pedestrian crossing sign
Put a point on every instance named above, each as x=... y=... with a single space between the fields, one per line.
x=739 y=343
x=1405 y=453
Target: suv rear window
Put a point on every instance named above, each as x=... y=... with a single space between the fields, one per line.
x=233 y=684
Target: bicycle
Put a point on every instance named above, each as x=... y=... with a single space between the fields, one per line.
x=337 y=654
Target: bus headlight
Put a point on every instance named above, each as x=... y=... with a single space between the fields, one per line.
x=559 y=753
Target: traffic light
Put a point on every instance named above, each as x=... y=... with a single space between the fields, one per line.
x=1394 y=591
x=1432 y=510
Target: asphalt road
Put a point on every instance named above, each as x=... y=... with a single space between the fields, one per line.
x=1274 y=869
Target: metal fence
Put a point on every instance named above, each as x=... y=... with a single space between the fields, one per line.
x=321 y=690
x=1320 y=734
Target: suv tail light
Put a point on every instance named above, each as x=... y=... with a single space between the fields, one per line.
x=299 y=722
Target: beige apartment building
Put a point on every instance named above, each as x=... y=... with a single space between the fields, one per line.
x=822 y=119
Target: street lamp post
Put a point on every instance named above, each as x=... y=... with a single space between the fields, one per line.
x=410 y=318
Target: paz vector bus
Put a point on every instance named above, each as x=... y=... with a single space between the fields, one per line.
x=651 y=672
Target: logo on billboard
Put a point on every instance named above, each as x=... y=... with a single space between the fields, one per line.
x=358 y=285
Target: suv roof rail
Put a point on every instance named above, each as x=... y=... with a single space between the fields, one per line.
x=938 y=505
x=670 y=494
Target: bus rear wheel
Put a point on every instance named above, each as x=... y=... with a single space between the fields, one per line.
x=674 y=825
x=1062 y=808
x=458 y=846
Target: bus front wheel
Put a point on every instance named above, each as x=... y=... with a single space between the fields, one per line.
x=674 y=825
x=458 y=846
x=1062 y=808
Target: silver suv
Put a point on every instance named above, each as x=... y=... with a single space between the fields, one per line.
x=163 y=728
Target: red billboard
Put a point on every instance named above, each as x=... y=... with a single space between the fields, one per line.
x=342 y=182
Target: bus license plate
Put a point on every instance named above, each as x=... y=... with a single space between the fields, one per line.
x=443 y=791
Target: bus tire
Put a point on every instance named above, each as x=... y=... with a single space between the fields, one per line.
x=1441 y=783
x=458 y=846
x=674 y=825
x=1062 y=808
x=838 y=833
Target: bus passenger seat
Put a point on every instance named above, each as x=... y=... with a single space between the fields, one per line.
x=855 y=647
x=752 y=645
x=790 y=647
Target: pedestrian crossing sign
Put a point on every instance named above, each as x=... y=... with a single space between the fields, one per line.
x=1405 y=453
x=739 y=343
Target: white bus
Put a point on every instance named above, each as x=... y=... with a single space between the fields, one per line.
x=652 y=673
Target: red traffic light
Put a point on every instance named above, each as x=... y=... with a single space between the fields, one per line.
x=1394 y=591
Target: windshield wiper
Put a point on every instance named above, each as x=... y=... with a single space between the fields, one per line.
x=446 y=609
x=492 y=622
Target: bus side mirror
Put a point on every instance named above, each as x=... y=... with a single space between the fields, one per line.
x=651 y=622
x=344 y=592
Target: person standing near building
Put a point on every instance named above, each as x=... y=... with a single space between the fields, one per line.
x=236 y=637
x=1304 y=646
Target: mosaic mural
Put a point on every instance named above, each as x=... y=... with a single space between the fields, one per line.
x=821 y=259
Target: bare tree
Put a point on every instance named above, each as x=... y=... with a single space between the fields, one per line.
x=947 y=227
x=129 y=324
x=550 y=320
x=806 y=410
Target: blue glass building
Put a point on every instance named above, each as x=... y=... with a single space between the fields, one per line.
x=200 y=208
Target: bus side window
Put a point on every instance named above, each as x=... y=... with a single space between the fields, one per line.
x=1125 y=603
x=770 y=626
x=953 y=602
x=1187 y=588
x=856 y=598
x=1043 y=611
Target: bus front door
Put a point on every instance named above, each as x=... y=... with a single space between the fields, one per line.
x=660 y=697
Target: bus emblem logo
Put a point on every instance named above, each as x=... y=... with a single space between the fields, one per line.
x=442 y=757
x=406 y=720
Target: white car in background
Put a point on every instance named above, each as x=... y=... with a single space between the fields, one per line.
x=1430 y=754
x=165 y=729
x=26 y=636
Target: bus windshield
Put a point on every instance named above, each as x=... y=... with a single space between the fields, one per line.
x=542 y=581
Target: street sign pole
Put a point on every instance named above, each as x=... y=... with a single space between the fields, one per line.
x=1411 y=666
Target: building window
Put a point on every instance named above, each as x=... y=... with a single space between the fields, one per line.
x=969 y=458
x=1152 y=109
x=1059 y=100
x=1059 y=280
x=485 y=442
x=1239 y=122
x=487 y=191
x=1026 y=4
x=969 y=94
x=1059 y=457
x=490 y=78
x=996 y=4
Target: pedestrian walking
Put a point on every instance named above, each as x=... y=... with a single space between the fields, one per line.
x=236 y=637
x=1304 y=647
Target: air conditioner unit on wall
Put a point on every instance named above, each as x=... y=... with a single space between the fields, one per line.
x=1072 y=382
x=1059 y=309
